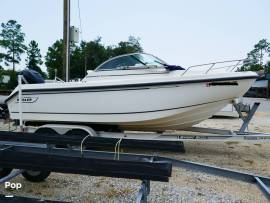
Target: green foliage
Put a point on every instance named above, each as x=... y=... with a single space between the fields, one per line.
x=2 y=56
x=257 y=56
x=252 y=67
x=78 y=61
x=86 y=56
x=260 y=49
x=1 y=73
x=267 y=67
x=54 y=59
x=12 y=40
x=13 y=82
x=33 y=60
x=95 y=53
x=131 y=46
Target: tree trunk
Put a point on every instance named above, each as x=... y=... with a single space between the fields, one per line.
x=13 y=62
x=13 y=56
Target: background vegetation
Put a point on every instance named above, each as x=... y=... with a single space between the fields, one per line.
x=84 y=56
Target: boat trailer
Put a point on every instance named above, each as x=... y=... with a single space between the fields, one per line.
x=19 y=149
x=49 y=159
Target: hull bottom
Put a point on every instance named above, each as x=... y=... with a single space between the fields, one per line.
x=184 y=119
x=176 y=119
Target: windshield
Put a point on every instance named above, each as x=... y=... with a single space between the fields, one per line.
x=131 y=61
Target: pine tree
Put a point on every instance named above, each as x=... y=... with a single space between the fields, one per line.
x=33 y=60
x=257 y=57
x=12 y=40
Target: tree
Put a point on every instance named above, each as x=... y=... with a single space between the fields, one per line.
x=33 y=60
x=94 y=53
x=1 y=74
x=86 y=56
x=125 y=47
x=12 y=39
x=267 y=67
x=256 y=57
x=78 y=61
x=261 y=48
x=54 y=59
x=2 y=56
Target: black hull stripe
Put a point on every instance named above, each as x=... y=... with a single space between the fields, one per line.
x=81 y=91
x=98 y=76
x=152 y=111
x=120 y=87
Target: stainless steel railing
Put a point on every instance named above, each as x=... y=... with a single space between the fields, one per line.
x=212 y=66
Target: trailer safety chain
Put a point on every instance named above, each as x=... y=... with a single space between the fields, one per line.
x=91 y=134
x=117 y=149
x=83 y=142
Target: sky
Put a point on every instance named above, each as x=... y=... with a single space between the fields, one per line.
x=182 y=32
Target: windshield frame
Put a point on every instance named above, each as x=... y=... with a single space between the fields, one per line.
x=130 y=54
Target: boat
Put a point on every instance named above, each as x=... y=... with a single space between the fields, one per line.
x=135 y=91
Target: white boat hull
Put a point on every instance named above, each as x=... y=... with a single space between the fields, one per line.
x=147 y=108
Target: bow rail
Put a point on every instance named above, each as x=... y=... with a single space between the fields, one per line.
x=213 y=66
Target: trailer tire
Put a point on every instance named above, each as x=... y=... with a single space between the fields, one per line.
x=78 y=132
x=4 y=172
x=51 y=131
x=35 y=176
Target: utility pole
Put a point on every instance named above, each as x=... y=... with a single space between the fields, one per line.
x=66 y=38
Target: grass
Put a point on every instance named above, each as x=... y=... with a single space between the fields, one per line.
x=249 y=161
x=113 y=193
x=231 y=142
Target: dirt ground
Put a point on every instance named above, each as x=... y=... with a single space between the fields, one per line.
x=184 y=185
x=242 y=155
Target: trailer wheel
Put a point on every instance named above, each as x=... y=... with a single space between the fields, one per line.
x=78 y=132
x=36 y=176
x=50 y=131
x=4 y=172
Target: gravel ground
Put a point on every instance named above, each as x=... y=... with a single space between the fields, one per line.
x=184 y=185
